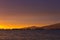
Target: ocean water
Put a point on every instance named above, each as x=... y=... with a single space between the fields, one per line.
x=30 y=35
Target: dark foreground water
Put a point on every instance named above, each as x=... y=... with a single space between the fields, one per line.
x=30 y=35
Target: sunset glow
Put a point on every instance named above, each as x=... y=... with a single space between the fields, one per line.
x=21 y=13
x=13 y=26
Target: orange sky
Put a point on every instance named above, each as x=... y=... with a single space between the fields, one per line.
x=21 y=13
x=11 y=26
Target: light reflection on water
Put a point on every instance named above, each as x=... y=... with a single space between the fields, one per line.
x=30 y=35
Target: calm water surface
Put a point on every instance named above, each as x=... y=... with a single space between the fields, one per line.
x=30 y=35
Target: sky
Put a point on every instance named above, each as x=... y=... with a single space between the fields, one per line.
x=24 y=13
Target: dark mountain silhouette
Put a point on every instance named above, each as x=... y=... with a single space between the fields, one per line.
x=32 y=28
x=53 y=26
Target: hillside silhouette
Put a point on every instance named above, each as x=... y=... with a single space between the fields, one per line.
x=53 y=26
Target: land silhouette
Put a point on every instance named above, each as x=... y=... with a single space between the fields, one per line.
x=53 y=27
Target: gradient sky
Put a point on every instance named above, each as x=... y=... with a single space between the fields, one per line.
x=21 y=13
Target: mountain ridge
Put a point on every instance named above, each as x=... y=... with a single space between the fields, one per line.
x=48 y=27
x=53 y=26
